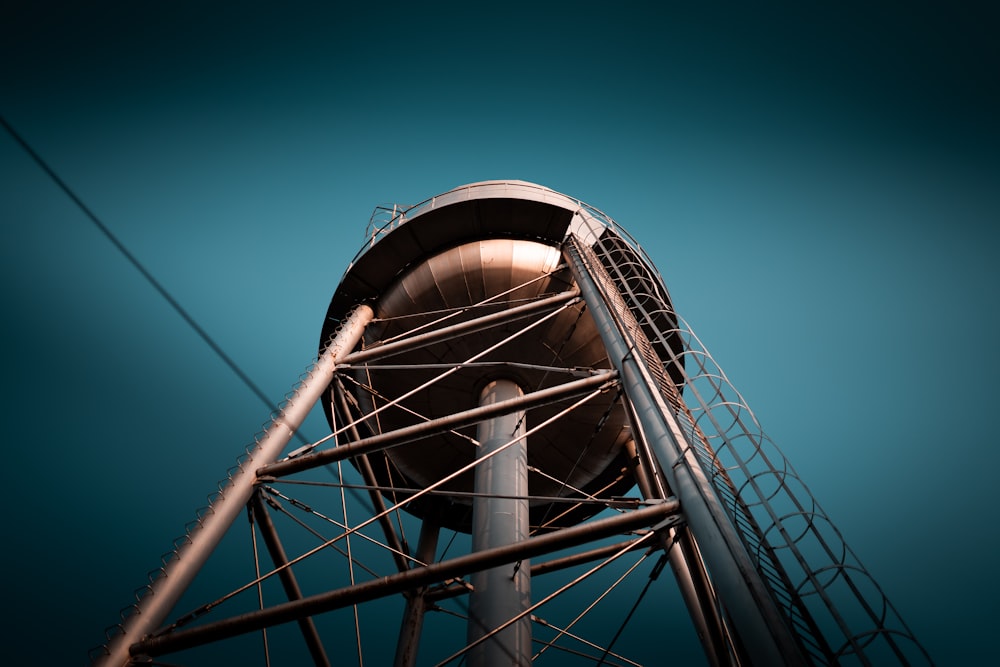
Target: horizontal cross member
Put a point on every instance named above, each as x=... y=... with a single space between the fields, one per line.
x=435 y=426
x=408 y=580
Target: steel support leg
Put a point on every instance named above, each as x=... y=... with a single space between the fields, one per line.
x=364 y=466
x=288 y=580
x=416 y=600
x=756 y=619
x=178 y=574
x=689 y=571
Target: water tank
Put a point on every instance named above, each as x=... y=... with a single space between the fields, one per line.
x=475 y=250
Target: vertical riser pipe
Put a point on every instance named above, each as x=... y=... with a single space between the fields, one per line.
x=499 y=518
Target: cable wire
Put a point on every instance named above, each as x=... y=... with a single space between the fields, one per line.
x=141 y=269
x=653 y=576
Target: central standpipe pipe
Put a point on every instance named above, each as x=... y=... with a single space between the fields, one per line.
x=499 y=518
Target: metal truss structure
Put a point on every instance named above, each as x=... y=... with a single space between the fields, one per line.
x=502 y=366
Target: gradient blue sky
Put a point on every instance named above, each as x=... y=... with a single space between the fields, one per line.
x=818 y=186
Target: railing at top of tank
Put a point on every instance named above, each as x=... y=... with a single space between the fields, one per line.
x=387 y=217
x=383 y=220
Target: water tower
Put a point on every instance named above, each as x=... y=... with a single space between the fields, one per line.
x=502 y=364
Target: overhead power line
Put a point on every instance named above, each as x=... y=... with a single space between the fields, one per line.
x=139 y=266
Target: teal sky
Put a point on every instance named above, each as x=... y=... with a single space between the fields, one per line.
x=820 y=189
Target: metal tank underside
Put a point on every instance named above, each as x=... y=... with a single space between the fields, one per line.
x=454 y=256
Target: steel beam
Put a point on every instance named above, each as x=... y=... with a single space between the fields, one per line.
x=589 y=556
x=553 y=565
x=288 y=580
x=404 y=581
x=166 y=590
x=470 y=326
x=686 y=564
x=435 y=426
x=399 y=553
x=416 y=600
x=756 y=618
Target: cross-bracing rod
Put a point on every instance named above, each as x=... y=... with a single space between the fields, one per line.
x=364 y=466
x=756 y=618
x=178 y=573
x=554 y=565
x=435 y=426
x=462 y=328
x=405 y=581
x=288 y=580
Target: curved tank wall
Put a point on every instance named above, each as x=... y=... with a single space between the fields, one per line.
x=475 y=250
